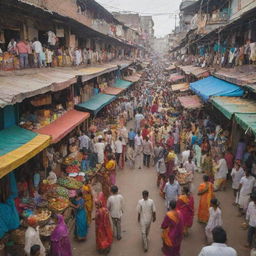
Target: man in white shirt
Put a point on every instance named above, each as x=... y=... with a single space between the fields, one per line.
x=251 y=218
x=138 y=141
x=99 y=149
x=246 y=185
x=138 y=117
x=37 y=47
x=221 y=174
x=119 y=150
x=171 y=191
x=84 y=142
x=185 y=155
x=115 y=205
x=190 y=165
x=146 y=214
x=218 y=247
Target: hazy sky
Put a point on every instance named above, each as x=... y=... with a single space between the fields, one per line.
x=163 y=23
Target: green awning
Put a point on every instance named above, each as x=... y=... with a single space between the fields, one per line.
x=17 y=146
x=95 y=103
x=247 y=122
x=230 y=105
x=122 y=84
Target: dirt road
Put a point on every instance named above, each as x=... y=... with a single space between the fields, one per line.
x=131 y=183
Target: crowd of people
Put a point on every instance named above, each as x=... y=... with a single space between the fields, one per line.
x=175 y=142
x=35 y=54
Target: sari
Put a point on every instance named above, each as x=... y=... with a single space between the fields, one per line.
x=81 y=227
x=111 y=168
x=207 y=167
x=104 y=234
x=88 y=198
x=172 y=233
x=60 y=243
x=206 y=195
x=185 y=205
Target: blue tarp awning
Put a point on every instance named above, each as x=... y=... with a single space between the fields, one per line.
x=212 y=86
x=95 y=103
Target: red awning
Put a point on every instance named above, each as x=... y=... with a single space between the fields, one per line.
x=176 y=78
x=190 y=102
x=64 y=125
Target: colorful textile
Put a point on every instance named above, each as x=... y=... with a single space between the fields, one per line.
x=172 y=233
x=104 y=234
x=81 y=227
x=206 y=195
x=60 y=243
x=185 y=205
x=88 y=198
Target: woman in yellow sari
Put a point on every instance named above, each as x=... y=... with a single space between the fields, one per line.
x=111 y=168
x=183 y=140
x=205 y=191
x=88 y=198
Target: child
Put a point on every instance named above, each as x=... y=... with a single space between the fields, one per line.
x=215 y=219
x=43 y=58
x=48 y=54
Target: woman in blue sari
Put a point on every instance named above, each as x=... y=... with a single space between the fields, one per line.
x=81 y=226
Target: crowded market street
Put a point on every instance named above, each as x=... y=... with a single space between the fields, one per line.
x=131 y=183
x=127 y=133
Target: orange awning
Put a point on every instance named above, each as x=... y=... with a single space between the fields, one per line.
x=180 y=87
x=112 y=90
x=64 y=125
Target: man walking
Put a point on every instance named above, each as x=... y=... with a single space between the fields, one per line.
x=146 y=214
x=115 y=205
x=171 y=191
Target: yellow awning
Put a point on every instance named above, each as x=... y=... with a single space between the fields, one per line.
x=22 y=154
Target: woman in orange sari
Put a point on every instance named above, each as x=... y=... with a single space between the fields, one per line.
x=205 y=191
x=172 y=231
x=104 y=234
x=185 y=204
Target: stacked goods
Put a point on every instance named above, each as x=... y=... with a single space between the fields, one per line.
x=70 y=183
x=183 y=177
x=61 y=191
x=58 y=204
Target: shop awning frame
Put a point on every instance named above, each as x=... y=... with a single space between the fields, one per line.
x=17 y=146
x=64 y=125
x=95 y=103
x=190 y=102
x=231 y=105
x=212 y=86
x=122 y=84
x=112 y=91
x=180 y=87
x=247 y=122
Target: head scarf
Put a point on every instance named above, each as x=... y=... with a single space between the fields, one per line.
x=61 y=229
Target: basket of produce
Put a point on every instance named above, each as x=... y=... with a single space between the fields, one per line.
x=47 y=230
x=42 y=204
x=183 y=178
x=58 y=205
x=70 y=183
x=42 y=217
x=61 y=191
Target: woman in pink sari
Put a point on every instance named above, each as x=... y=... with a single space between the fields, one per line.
x=185 y=205
x=104 y=233
x=60 y=243
x=172 y=231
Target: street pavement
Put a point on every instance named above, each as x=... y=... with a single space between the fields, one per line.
x=131 y=184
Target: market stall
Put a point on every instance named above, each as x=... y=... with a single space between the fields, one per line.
x=190 y=102
x=182 y=87
x=122 y=84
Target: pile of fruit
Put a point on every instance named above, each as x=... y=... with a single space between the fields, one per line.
x=61 y=191
x=70 y=183
x=74 y=167
x=183 y=178
x=58 y=204
x=42 y=215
